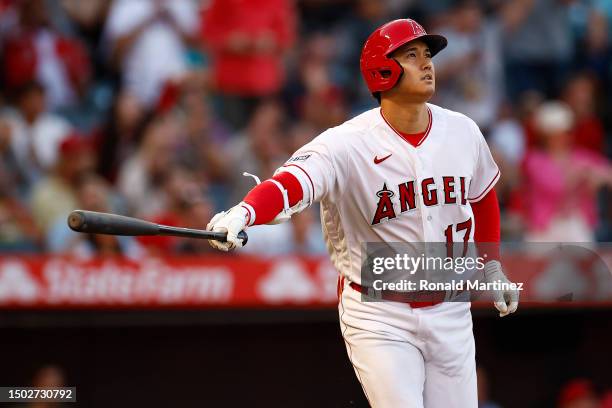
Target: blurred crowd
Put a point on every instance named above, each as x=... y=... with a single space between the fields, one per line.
x=155 y=108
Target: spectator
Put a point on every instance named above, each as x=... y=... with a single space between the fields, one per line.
x=366 y=16
x=588 y=131
x=527 y=106
x=577 y=393
x=10 y=179
x=206 y=135
x=120 y=136
x=482 y=378
x=140 y=178
x=197 y=214
x=56 y=194
x=18 y=232
x=17 y=228
x=469 y=76
x=319 y=15
x=247 y=40
x=8 y=19
x=604 y=8
x=147 y=40
x=183 y=196
x=93 y=194
x=35 y=51
x=561 y=181
x=87 y=17
x=538 y=45
x=508 y=145
x=300 y=134
x=35 y=135
x=596 y=47
x=314 y=97
x=606 y=400
x=507 y=137
x=258 y=150
x=49 y=376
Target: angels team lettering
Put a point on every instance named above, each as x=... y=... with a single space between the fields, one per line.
x=445 y=190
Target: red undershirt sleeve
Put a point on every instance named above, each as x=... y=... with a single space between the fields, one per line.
x=266 y=198
x=487 y=220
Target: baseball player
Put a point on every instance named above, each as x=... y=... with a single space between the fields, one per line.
x=408 y=171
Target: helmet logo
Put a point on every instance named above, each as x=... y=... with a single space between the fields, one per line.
x=417 y=29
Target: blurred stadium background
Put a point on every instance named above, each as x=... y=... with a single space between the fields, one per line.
x=154 y=108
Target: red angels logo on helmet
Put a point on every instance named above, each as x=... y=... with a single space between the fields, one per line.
x=417 y=29
x=380 y=72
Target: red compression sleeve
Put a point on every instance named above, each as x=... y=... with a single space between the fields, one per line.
x=267 y=199
x=487 y=220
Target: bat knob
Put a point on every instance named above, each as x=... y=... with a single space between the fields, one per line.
x=76 y=220
x=244 y=237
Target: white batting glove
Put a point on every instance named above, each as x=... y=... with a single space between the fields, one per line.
x=506 y=301
x=231 y=221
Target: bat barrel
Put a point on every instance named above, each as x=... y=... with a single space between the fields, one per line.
x=103 y=223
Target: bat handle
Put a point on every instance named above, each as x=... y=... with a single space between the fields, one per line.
x=195 y=233
x=242 y=235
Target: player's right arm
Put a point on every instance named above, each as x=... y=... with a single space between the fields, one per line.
x=309 y=175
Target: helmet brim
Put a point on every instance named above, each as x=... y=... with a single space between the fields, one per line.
x=435 y=42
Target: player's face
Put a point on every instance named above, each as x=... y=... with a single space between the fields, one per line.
x=418 y=82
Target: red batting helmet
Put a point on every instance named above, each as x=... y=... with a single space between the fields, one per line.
x=380 y=72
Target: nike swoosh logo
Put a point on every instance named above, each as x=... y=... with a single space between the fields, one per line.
x=378 y=161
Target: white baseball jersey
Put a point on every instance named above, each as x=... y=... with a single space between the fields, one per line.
x=374 y=186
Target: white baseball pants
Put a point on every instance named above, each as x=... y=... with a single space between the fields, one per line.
x=408 y=357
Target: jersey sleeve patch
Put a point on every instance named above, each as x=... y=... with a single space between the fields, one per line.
x=300 y=158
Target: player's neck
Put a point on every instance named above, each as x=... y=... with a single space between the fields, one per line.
x=406 y=117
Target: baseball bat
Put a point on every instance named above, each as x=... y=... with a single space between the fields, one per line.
x=112 y=224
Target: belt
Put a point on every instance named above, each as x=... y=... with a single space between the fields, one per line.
x=429 y=298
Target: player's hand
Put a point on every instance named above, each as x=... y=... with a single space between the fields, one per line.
x=506 y=301
x=232 y=221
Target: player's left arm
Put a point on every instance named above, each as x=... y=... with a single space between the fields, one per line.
x=308 y=176
x=270 y=202
x=485 y=206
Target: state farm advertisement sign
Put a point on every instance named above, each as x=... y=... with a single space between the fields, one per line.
x=569 y=278
x=57 y=281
